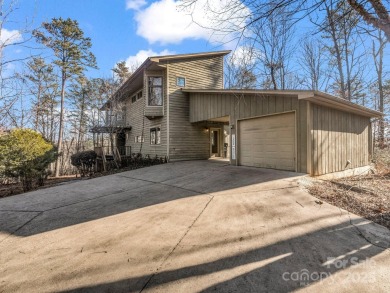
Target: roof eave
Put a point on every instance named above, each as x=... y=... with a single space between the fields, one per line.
x=191 y=55
x=325 y=99
x=131 y=78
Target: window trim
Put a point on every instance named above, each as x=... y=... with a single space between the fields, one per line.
x=148 y=90
x=139 y=139
x=151 y=129
x=136 y=96
x=177 y=81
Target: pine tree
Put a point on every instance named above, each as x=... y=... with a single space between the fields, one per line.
x=121 y=71
x=72 y=56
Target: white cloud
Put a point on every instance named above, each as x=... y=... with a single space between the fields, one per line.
x=244 y=55
x=135 y=4
x=165 y=22
x=8 y=37
x=134 y=61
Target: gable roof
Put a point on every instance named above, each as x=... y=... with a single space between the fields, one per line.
x=317 y=97
x=158 y=59
x=189 y=55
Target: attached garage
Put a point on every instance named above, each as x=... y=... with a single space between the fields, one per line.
x=268 y=142
x=303 y=131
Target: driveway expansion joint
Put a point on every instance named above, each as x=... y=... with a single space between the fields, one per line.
x=165 y=184
x=25 y=224
x=177 y=244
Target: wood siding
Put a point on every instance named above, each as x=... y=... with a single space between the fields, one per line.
x=141 y=124
x=336 y=138
x=187 y=140
x=205 y=106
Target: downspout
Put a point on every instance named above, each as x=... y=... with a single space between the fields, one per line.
x=168 y=126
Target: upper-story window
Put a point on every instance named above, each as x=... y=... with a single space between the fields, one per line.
x=181 y=81
x=133 y=99
x=155 y=91
x=139 y=95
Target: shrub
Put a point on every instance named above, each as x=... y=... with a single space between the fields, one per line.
x=84 y=162
x=382 y=159
x=25 y=154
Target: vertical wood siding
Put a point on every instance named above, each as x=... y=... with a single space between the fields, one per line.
x=204 y=106
x=338 y=137
x=187 y=140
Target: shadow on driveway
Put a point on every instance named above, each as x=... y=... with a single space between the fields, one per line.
x=78 y=202
x=284 y=266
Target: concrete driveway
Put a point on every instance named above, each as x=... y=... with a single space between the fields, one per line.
x=195 y=226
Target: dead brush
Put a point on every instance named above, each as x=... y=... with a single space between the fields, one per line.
x=367 y=196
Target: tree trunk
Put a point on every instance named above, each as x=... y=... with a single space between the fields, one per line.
x=349 y=88
x=80 y=130
x=38 y=107
x=338 y=52
x=381 y=94
x=61 y=126
x=273 y=77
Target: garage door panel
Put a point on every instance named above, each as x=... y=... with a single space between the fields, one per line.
x=268 y=142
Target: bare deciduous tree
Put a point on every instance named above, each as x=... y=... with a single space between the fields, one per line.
x=240 y=69
x=378 y=45
x=9 y=83
x=273 y=40
x=373 y=12
x=340 y=28
x=312 y=61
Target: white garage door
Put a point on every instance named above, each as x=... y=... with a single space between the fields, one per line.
x=267 y=142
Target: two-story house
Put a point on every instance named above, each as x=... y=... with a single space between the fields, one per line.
x=176 y=106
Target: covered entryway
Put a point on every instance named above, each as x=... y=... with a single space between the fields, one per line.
x=268 y=142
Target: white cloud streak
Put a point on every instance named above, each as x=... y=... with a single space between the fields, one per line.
x=8 y=37
x=164 y=22
x=135 y=4
x=136 y=60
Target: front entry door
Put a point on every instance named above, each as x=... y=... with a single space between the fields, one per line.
x=214 y=141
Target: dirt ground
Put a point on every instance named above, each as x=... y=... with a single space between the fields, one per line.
x=16 y=188
x=367 y=196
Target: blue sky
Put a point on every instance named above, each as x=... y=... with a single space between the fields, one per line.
x=131 y=30
x=120 y=29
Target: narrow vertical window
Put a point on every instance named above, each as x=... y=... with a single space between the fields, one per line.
x=155 y=94
x=158 y=135
x=155 y=135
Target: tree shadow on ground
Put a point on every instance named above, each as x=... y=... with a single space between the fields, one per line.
x=63 y=206
x=284 y=266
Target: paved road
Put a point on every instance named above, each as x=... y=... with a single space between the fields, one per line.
x=195 y=226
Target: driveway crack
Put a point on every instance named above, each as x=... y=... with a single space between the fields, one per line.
x=25 y=224
x=361 y=234
x=178 y=243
